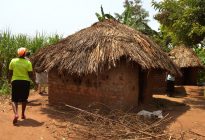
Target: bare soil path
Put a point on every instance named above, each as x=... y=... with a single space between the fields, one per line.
x=33 y=128
x=188 y=113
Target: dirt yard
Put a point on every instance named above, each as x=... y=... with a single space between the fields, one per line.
x=187 y=112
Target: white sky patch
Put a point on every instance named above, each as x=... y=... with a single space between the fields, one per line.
x=63 y=17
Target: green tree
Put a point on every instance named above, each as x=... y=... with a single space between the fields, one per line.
x=135 y=16
x=182 y=20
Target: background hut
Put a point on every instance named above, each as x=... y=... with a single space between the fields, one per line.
x=186 y=59
x=108 y=62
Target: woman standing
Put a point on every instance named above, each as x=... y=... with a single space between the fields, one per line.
x=170 y=84
x=20 y=71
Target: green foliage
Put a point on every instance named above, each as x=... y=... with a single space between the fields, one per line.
x=200 y=51
x=182 y=20
x=5 y=88
x=135 y=16
x=127 y=19
x=103 y=16
x=10 y=43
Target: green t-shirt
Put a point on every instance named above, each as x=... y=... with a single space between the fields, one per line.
x=20 y=68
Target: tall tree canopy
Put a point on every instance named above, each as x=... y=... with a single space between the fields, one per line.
x=182 y=20
x=135 y=16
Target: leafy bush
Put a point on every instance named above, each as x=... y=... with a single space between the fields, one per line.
x=5 y=88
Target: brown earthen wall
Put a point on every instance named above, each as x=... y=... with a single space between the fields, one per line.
x=117 y=88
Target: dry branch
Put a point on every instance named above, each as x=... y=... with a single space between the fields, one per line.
x=120 y=126
x=197 y=133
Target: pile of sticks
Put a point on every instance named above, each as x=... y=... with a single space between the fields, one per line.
x=117 y=125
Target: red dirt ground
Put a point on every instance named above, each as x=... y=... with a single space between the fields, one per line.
x=188 y=120
x=45 y=123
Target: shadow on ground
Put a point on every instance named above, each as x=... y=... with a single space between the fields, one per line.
x=29 y=123
x=190 y=95
x=195 y=102
x=34 y=102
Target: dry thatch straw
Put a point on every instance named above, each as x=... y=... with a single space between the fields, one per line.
x=99 y=48
x=185 y=57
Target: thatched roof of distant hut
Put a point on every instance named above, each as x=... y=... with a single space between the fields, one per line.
x=185 y=57
x=100 y=47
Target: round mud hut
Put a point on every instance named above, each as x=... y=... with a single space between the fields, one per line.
x=108 y=63
x=188 y=62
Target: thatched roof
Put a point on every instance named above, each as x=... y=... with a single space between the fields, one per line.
x=185 y=57
x=100 y=47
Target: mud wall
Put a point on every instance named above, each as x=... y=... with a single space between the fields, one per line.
x=117 y=88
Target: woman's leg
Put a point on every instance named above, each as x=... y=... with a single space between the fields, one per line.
x=172 y=86
x=14 y=98
x=23 y=110
x=26 y=86
x=168 y=90
x=15 y=110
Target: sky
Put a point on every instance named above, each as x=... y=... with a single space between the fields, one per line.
x=63 y=17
